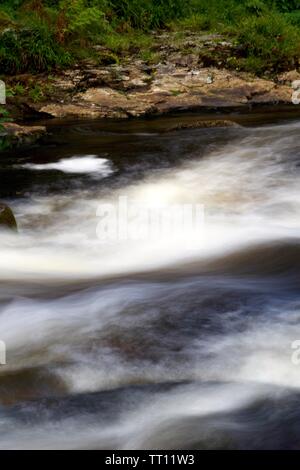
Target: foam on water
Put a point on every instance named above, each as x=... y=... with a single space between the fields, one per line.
x=89 y=164
x=249 y=190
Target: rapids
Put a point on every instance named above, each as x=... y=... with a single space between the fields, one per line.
x=177 y=342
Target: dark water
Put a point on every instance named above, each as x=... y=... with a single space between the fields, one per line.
x=172 y=343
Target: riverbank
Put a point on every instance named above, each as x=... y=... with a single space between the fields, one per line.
x=201 y=96
x=186 y=73
x=185 y=76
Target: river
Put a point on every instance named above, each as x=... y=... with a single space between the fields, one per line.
x=178 y=342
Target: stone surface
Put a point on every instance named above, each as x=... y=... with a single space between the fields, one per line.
x=287 y=78
x=190 y=72
x=130 y=92
x=17 y=134
x=196 y=124
x=7 y=218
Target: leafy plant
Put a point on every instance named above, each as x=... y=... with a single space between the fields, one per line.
x=4 y=117
x=36 y=93
x=19 y=89
x=288 y=5
x=30 y=48
x=256 y=7
x=40 y=35
x=79 y=19
x=271 y=39
x=293 y=18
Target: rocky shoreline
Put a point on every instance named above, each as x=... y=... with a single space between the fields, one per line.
x=194 y=76
x=137 y=90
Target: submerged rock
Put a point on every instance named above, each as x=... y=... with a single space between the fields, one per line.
x=7 y=218
x=195 y=124
x=16 y=135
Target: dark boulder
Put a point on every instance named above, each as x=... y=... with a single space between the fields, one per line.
x=7 y=218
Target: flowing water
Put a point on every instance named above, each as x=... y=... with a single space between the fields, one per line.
x=171 y=343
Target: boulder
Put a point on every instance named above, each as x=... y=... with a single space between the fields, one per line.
x=7 y=218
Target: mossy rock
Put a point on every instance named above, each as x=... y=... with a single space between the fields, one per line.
x=7 y=218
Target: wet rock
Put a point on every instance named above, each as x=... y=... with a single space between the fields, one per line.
x=7 y=218
x=196 y=124
x=16 y=135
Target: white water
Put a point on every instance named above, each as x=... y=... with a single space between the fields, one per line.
x=89 y=164
x=249 y=190
x=225 y=337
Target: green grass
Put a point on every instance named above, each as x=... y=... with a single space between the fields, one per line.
x=194 y=22
x=30 y=46
x=293 y=18
x=4 y=117
x=41 y=35
x=268 y=32
x=270 y=40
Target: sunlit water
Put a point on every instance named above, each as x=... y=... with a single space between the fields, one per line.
x=174 y=343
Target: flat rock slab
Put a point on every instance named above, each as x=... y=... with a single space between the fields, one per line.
x=134 y=91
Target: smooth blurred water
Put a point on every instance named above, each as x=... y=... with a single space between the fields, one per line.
x=174 y=343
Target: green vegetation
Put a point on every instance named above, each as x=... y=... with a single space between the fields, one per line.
x=39 y=35
x=4 y=117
